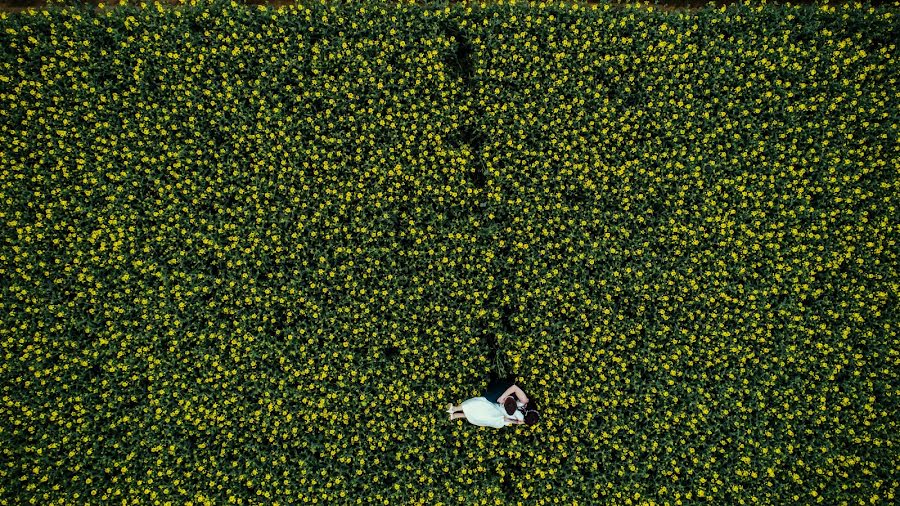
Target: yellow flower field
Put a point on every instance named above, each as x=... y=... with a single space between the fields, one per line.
x=249 y=253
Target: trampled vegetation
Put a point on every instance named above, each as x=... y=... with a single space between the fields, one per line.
x=249 y=253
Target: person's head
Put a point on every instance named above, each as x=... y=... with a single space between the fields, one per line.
x=530 y=413
x=510 y=405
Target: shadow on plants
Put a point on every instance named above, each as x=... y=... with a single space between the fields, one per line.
x=214 y=270
x=195 y=27
x=491 y=339
x=316 y=105
x=314 y=39
x=503 y=252
x=251 y=488
x=471 y=135
x=654 y=207
x=401 y=214
x=139 y=395
x=514 y=470
x=459 y=62
x=278 y=321
x=882 y=40
x=578 y=195
x=841 y=376
x=504 y=319
x=401 y=219
x=479 y=180
x=782 y=298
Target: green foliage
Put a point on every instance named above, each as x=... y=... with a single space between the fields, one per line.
x=249 y=253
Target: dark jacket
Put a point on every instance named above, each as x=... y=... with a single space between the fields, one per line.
x=496 y=387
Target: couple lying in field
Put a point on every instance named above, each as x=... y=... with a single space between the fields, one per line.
x=503 y=403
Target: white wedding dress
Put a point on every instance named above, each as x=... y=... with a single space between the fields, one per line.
x=484 y=413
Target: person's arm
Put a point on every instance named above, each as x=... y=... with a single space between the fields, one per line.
x=514 y=390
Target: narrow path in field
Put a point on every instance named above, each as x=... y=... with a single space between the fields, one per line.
x=470 y=135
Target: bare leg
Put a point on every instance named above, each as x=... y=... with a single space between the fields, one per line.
x=456 y=415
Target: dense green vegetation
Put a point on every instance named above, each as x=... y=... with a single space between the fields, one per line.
x=248 y=254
